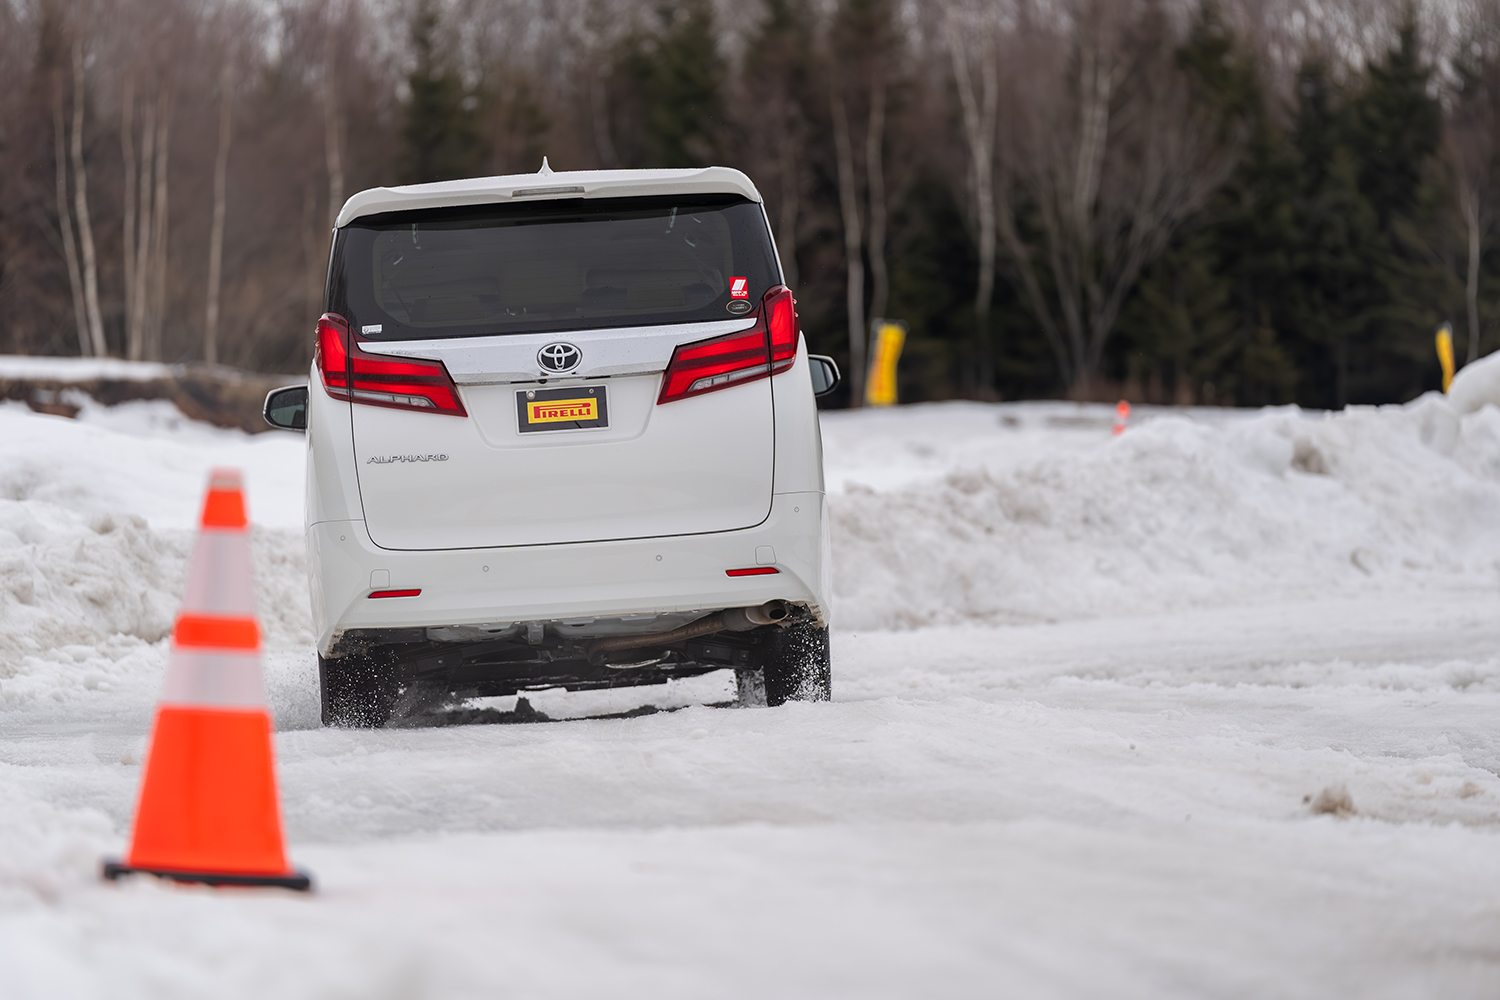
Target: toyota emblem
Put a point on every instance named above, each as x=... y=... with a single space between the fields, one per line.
x=558 y=358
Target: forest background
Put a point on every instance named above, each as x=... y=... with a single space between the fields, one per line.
x=1216 y=202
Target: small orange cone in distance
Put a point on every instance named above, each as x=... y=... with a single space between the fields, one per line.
x=1122 y=417
x=208 y=810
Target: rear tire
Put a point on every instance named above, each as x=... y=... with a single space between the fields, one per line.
x=796 y=664
x=359 y=689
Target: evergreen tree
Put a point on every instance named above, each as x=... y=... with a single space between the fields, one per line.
x=677 y=75
x=1310 y=277
x=1397 y=128
x=1195 y=329
x=780 y=51
x=774 y=117
x=517 y=125
x=439 y=134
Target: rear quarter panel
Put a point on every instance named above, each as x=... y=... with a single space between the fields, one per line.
x=799 y=438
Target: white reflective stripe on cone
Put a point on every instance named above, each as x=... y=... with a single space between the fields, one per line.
x=220 y=576
x=197 y=677
x=226 y=478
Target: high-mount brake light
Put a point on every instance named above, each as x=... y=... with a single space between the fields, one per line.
x=404 y=384
x=767 y=348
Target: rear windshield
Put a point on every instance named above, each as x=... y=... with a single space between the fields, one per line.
x=548 y=266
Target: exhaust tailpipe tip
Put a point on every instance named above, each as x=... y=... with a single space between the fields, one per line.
x=745 y=619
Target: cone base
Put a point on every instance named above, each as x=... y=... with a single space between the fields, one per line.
x=298 y=881
x=208 y=794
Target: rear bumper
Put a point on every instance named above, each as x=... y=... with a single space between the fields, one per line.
x=550 y=582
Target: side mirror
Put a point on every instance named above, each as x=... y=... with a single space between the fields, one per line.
x=825 y=374
x=287 y=408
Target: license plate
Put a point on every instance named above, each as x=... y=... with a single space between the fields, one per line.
x=562 y=409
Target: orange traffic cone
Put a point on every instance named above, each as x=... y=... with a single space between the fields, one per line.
x=1122 y=417
x=208 y=809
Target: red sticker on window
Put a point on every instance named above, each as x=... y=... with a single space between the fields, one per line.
x=739 y=288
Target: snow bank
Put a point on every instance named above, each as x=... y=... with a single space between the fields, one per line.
x=1179 y=512
x=68 y=578
x=1008 y=513
x=97 y=517
x=1476 y=384
x=75 y=579
x=144 y=457
x=80 y=369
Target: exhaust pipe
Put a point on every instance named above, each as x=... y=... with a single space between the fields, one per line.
x=729 y=620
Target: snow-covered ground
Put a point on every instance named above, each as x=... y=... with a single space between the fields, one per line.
x=1210 y=709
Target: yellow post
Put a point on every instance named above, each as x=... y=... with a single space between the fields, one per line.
x=880 y=387
x=1445 y=354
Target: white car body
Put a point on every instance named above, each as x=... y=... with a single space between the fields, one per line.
x=592 y=532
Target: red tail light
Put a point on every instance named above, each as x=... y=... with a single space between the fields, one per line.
x=333 y=354
x=405 y=383
x=780 y=312
x=768 y=347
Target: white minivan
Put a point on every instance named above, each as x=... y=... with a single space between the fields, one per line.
x=561 y=434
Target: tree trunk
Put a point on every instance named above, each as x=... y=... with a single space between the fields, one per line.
x=127 y=154
x=786 y=212
x=333 y=128
x=312 y=292
x=216 y=237
x=1031 y=285
x=853 y=242
x=65 y=223
x=1073 y=253
x=1470 y=203
x=159 y=229
x=599 y=118
x=875 y=190
x=979 y=129
x=139 y=297
x=81 y=206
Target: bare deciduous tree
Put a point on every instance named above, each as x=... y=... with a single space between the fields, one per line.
x=1098 y=168
x=144 y=209
x=159 y=221
x=1469 y=140
x=128 y=209
x=854 y=263
x=216 y=233
x=333 y=113
x=137 y=211
x=880 y=291
x=971 y=44
x=862 y=44
x=775 y=83
x=65 y=224
x=81 y=208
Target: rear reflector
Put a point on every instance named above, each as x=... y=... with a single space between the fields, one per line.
x=752 y=571
x=395 y=593
x=404 y=384
x=767 y=348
